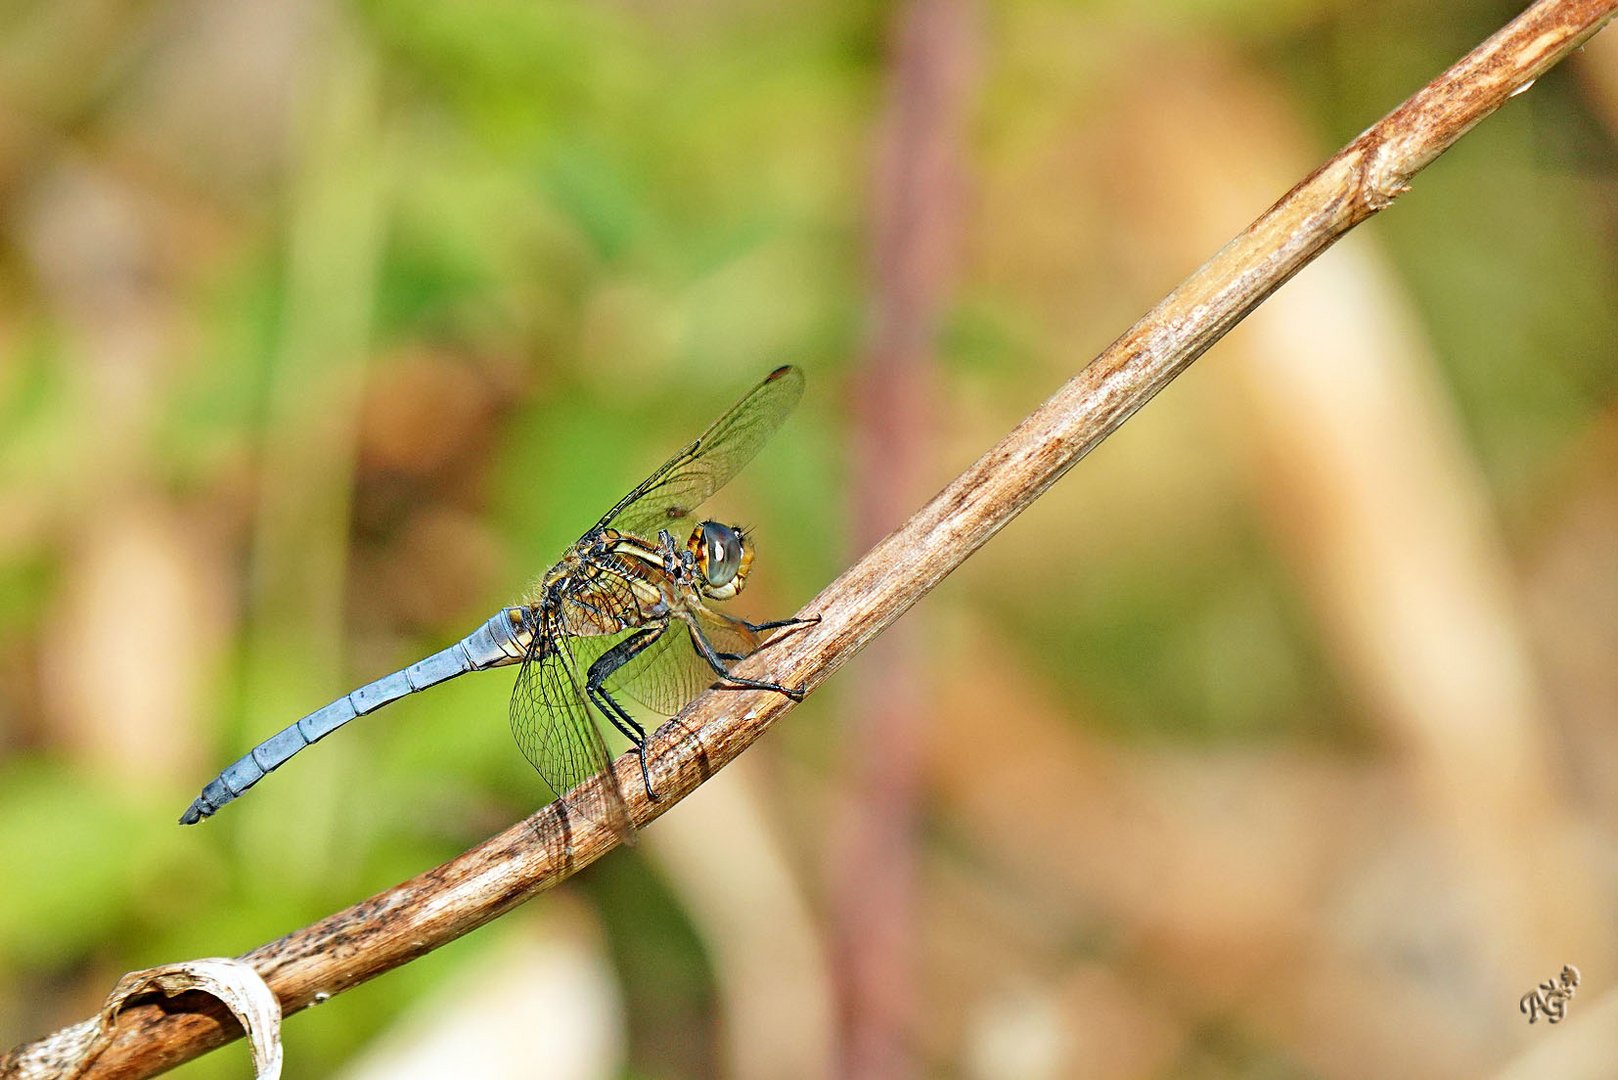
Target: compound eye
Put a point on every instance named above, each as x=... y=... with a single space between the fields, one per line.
x=719 y=553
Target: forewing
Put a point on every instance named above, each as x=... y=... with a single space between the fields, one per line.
x=666 y=676
x=729 y=637
x=671 y=494
x=554 y=730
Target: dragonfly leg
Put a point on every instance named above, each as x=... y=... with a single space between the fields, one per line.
x=716 y=660
x=761 y=627
x=604 y=667
x=779 y=624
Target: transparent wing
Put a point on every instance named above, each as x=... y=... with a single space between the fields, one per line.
x=670 y=673
x=556 y=734
x=730 y=638
x=672 y=493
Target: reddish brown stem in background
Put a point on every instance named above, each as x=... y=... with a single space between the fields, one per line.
x=436 y=907
x=916 y=227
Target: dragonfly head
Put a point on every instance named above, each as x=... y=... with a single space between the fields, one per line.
x=723 y=557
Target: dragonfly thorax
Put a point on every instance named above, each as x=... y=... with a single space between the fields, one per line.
x=722 y=556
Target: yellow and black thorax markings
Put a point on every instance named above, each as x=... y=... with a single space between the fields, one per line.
x=615 y=583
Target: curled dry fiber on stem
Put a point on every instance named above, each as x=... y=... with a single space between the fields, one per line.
x=440 y=905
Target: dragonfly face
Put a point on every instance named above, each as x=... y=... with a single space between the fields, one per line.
x=622 y=619
x=723 y=556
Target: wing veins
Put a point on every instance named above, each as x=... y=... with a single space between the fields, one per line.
x=692 y=476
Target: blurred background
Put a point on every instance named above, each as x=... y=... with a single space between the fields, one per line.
x=1277 y=740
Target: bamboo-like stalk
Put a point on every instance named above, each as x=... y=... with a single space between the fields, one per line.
x=438 y=906
x=918 y=210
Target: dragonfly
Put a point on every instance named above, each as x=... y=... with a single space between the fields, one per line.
x=624 y=617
